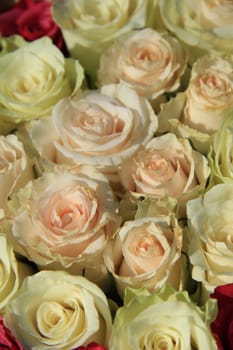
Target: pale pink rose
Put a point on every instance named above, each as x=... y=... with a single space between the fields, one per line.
x=165 y=166
x=146 y=253
x=148 y=61
x=63 y=219
x=99 y=128
x=209 y=94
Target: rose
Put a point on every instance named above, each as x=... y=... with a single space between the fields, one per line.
x=55 y=310
x=164 y=320
x=148 y=61
x=34 y=77
x=99 y=128
x=165 y=166
x=222 y=326
x=15 y=169
x=220 y=154
x=90 y=27
x=65 y=218
x=12 y=272
x=7 y=340
x=210 y=226
x=202 y=25
x=200 y=111
x=25 y=18
x=92 y=346
x=145 y=252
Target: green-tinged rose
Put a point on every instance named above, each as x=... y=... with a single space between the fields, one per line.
x=220 y=155
x=63 y=220
x=164 y=320
x=54 y=310
x=90 y=26
x=12 y=272
x=145 y=252
x=33 y=78
x=210 y=223
x=201 y=25
x=199 y=112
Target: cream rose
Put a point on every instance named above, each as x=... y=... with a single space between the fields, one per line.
x=147 y=61
x=63 y=219
x=99 y=128
x=210 y=224
x=164 y=320
x=33 y=78
x=89 y=27
x=12 y=272
x=15 y=169
x=146 y=253
x=201 y=25
x=54 y=310
x=165 y=166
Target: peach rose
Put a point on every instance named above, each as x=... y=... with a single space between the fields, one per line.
x=64 y=219
x=99 y=128
x=147 y=61
x=145 y=252
x=165 y=166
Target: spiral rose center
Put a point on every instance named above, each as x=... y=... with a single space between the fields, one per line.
x=149 y=245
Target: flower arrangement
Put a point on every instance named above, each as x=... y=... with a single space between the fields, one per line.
x=116 y=176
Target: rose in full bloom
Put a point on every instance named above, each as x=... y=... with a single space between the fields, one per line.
x=7 y=340
x=32 y=20
x=200 y=111
x=64 y=217
x=201 y=25
x=210 y=224
x=145 y=252
x=55 y=310
x=164 y=320
x=33 y=78
x=220 y=155
x=15 y=169
x=148 y=61
x=99 y=128
x=89 y=27
x=165 y=166
x=12 y=272
x=222 y=326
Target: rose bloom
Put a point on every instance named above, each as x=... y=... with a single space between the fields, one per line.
x=145 y=252
x=99 y=128
x=164 y=320
x=33 y=78
x=12 y=272
x=65 y=218
x=92 y=346
x=165 y=166
x=148 y=61
x=220 y=155
x=89 y=27
x=32 y=20
x=55 y=310
x=210 y=225
x=15 y=169
x=7 y=340
x=222 y=326
x=201 y=25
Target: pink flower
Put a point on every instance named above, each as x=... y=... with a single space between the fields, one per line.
x=92 y=346
x=8 y=341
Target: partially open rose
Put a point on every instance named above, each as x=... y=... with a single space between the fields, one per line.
x=145 y=252
x=99 y=128
x=66 y=218
x=147 y=61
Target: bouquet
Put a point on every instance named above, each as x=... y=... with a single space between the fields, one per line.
x=116 y=176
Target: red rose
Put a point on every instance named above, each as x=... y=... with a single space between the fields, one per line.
x=7 y=340
x=222 y=327
x=92 y=346
x=31 y=20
